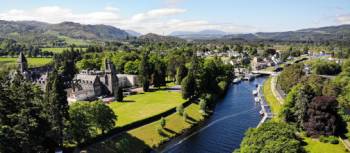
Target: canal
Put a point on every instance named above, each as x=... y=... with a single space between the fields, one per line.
x=224 y=130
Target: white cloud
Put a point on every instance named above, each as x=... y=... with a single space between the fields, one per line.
x=159 y=21
x=157 y=13
x=111 y=9
x=343 y=19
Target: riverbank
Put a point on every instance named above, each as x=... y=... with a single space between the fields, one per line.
x=224 y=129
x=312 y=145
x=150 y=136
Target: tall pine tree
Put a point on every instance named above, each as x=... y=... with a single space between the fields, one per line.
x=56 y=105
x=145 y=71
x=23 y=125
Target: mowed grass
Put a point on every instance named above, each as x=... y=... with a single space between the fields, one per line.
x=274 y=104
x=32 y=62
x=141 y=106
x=315 y=146
x=147 y=136
x=175 y=124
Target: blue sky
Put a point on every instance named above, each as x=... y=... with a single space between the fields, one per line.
x=165 y=16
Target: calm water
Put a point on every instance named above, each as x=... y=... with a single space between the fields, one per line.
x=224 y=131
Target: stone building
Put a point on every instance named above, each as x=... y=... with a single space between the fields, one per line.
x=88 y=84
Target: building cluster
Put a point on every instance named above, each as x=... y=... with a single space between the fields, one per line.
x=87 y=84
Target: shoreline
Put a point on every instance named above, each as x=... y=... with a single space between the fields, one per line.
x=179 y=138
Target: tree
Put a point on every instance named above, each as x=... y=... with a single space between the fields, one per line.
x=271 y=137
x=87 y=119
x=131 y=67
x=180 y=110
x=323 y=118
x=56 y=105
x=203 y=105
x=158 y=71
x=290 y=76
x=103 y=116
x=79 y=129
x=162 y=123
x=145 y=72
x=269 y=52
x=326 y=68
x=23 y=123
x=188 y=86
x=296 y=104
x=181 y=73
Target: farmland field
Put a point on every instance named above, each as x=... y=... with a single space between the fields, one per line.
x=32 y=62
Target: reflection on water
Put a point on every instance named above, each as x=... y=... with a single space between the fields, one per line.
x=225 y=129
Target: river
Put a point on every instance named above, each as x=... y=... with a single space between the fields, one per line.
x=224 y=130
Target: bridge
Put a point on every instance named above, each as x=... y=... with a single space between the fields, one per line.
x=263 y=72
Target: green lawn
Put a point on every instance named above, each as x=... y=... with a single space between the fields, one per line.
x=33 y=62
x=140 y=106
x=315 y=146
x=274 y=104
x=147 y=136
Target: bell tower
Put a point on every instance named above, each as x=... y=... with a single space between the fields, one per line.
x=22 y=63
x=111 y=79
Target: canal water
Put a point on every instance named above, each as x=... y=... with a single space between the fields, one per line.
x=224 y=130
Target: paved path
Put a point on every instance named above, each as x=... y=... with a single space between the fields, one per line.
x=275 y=92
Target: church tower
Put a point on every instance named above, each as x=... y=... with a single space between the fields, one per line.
x=111 y=79
x=22 y=63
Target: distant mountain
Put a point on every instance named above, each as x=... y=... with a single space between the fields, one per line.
x=40 y=32
x=133 y=33
x=331 y=33
x=204 y=34
x=151 y=37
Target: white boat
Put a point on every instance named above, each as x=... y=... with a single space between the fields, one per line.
x=261 y=112
x=236 y=80
x=257 y=99
x=255 y=92
x=248 y=77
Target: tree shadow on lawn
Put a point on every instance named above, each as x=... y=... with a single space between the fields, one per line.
x=191 y=120
x=163 y=134
x=170 y=131
x=128 y=101
x=124 y=143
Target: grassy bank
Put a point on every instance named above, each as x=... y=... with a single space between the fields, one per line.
x=274 y=104
x=312 y=145
x=141 y=106
x=148 y=136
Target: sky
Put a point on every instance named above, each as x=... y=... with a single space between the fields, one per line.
x=166 y=16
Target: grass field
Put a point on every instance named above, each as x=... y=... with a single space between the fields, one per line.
x=315 y=146
x=32 y=62
x=274 y=104
x=140 y=106
x=148 y=136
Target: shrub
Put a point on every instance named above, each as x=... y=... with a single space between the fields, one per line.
x=180 y=110
x=323 y=139
x=333 y=140
x=330 y=139
x=162 y=123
